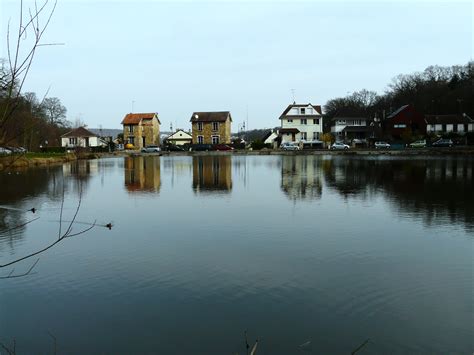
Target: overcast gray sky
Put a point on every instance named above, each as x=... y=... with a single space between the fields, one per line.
x=178 y=57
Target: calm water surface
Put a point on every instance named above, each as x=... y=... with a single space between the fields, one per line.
x=323 y=250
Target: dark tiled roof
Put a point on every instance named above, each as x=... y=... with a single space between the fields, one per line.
x=448 y=119
x=79 y=132
x=135 y=118
x=316 y=107
x=394 y=113
x=106 y=132
x=289 y=130
x=220 y=116
x=268 y=134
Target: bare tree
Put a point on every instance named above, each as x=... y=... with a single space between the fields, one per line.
x=54 y=110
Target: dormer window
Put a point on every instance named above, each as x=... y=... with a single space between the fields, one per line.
x=302 y=111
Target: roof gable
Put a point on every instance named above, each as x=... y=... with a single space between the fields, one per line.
x=317 y=108
x=219 y=116
x=136 y=118
x=79 y=132
x=180 y=134
x=396 y=112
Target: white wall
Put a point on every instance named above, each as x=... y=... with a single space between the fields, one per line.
x=81 y=142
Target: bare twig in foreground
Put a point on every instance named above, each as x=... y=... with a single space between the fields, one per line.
x=360 y=347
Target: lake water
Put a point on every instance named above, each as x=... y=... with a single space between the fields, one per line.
x=309 y=254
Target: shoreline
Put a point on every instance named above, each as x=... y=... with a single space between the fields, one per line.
x=15 y=162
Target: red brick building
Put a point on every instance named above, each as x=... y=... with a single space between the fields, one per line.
x=404 y=120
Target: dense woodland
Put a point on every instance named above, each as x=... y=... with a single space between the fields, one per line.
x=436 y=90
x=26 y=120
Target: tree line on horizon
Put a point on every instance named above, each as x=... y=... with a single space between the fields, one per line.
x=26 y=120
x=437 y=90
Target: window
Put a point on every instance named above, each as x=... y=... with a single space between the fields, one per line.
x=303 y=111
x=357 y=123
x=131 y=140
x=130 y=128
x=199 y=126
x=400 y=125
x=341 y=121
x=304 y=121
x=73 y=141
x=215 y=126
x=316 y=121
x=200 y=138
x=315 y=136
x=304 y=136
x=290 y=120
x=215 y=139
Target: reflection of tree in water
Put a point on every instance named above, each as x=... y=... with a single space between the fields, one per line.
x=142 y=174
x=29 y=185
x=16 y=187
x=301 y=177
x=212 y=173
x=435 y=189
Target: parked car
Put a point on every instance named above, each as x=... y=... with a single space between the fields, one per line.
x=382 y=145
x=17 y=150
x=5 y=151
x=418 y=144
x=201 y=147
x=443 y=143
x=289 y=146
x=174 y=148
x=223 y=147
x=339 y=146
x=151 y=149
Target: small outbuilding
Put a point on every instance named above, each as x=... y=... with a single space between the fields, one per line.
x=80 y=137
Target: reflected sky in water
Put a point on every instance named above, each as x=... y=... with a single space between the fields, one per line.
x=327 y=249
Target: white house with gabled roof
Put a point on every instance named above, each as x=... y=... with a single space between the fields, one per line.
x=301 y=123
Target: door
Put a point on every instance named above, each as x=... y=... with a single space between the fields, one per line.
x=87 y=141
x=143 y=142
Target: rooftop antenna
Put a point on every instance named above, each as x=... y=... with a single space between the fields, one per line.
x=293 y=94
x=247 y=117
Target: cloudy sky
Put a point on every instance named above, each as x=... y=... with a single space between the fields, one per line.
x=246 y=57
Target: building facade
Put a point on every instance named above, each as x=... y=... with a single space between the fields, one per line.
x=141 y=129
x=405 y=120
x=179 y=137
x=211 y=127
x=349 y=128
x=80 y=137
x=441 y=124
x=301 y=123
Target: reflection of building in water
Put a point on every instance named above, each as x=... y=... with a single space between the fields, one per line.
x=438 y=189
x=142 y=174
x=81 y=168
x=301 y=177
x=212 y=173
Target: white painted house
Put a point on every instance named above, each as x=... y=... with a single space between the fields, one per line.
x=301 y=123
x=80 y=137
x=349 y=128
x=179 y=137
x=439 y=124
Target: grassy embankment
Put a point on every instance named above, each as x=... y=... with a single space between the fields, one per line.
x=34 y=159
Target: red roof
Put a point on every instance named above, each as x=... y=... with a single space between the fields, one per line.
x=135 y=118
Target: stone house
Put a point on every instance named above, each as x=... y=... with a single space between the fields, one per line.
x=301 y=123
x=211 y=127
x=141 y=129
